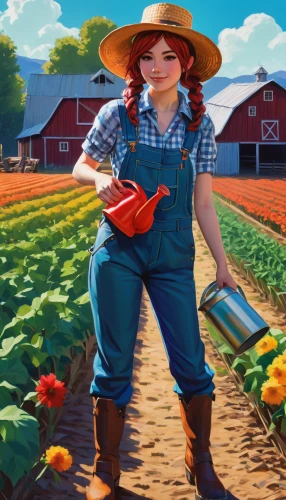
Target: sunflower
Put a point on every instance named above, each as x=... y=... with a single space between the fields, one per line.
x=280 y=359
x=51 y=392
x=58 y=458
x=266 y=344
x=277 y=370
x=272 y=392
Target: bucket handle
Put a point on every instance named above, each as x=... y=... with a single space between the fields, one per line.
x=239 y=290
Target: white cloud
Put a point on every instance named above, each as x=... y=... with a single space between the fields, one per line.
x=259 y=42
x=33 y=26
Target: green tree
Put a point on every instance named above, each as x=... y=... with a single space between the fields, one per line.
x=12 y=97
x=64 y=56
x=91 y=34
x=11 y=84
x=76 y=56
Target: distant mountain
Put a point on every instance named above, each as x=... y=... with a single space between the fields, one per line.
x=279 y=74
x=29 y=66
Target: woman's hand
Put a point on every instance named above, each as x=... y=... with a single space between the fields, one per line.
x=224 y=278
x=109 y=189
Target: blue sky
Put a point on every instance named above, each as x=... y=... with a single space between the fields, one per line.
x=248 y=32
x=209 y=17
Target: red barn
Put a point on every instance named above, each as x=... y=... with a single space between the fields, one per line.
x=60 y=110
x=250 y=127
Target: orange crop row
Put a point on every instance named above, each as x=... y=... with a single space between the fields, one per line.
x=23 y=189
x=262 y=199
x=15 y=180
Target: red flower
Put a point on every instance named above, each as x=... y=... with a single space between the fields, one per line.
x=51 y=391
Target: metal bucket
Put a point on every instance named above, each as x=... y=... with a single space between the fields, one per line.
x=234 y=318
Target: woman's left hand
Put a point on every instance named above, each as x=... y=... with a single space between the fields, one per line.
x=224 y=278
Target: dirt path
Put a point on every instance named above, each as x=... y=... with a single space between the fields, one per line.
x=153 y=444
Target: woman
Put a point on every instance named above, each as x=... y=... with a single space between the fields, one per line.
x=156 y=137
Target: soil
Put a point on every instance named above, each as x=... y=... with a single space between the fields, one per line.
x=153 y=444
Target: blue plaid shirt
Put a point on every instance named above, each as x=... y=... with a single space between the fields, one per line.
x=105 y=135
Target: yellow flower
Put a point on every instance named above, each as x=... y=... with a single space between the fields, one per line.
x=266 y=344
x=279 y=359
x=277 y=370
x=272 y=392
x=58 y=458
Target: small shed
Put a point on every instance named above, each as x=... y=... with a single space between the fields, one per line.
x=60 y=109
x=250 y=126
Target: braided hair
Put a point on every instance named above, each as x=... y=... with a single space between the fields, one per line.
x=190 y=79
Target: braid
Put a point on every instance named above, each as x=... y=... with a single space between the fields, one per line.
x=191 y=80
x=131 y=95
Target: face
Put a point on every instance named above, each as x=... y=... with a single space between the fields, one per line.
x=160 y=66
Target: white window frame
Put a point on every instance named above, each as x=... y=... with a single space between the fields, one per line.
x=268 y=92
x=251 y=108
x=63 y=150
x=269 y=124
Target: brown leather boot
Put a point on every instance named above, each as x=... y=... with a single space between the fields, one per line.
x=108 y=429
x=196 y=420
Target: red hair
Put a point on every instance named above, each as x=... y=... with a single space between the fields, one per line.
x=190 y=79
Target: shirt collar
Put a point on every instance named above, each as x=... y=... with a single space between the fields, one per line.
x=145 y=104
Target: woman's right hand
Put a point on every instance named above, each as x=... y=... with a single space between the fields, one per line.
x=109 y=189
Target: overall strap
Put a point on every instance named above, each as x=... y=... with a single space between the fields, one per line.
x=129 y=131
x=189 y=140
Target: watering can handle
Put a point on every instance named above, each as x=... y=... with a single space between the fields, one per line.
x=138 y=189
x=239 y=289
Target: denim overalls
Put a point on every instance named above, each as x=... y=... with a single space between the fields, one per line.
x=161 y=258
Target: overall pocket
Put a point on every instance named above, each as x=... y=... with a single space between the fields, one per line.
x=169 y=177
x=104 y=237
x=149 y=175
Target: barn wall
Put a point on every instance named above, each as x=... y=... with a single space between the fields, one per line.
x=63 y=127
x=61 y=158
x=227 y=158
x=244 y=128
x=38 y=149
x=85 y=116
x=64 y=121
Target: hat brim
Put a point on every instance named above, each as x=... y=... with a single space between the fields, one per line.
x=114 y=49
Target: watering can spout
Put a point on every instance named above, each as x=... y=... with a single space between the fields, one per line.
x=144 y=216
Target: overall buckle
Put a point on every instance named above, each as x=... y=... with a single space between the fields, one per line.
x=185 y=153
x=132 y=146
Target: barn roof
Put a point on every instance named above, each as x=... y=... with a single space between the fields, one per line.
x=221 y=106
x=45 y=92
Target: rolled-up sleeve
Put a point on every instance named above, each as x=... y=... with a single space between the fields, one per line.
x=101 y=138
x=207 y=149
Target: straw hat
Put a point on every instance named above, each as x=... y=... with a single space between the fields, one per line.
x=114 y=49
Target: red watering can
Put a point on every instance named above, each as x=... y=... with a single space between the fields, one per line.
x=134 y=212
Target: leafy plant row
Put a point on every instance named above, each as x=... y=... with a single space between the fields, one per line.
x=258 y=256
x=18 y=228
x=48 y=237
x=45 y=317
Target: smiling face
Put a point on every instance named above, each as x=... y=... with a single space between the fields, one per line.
x=160 y=66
